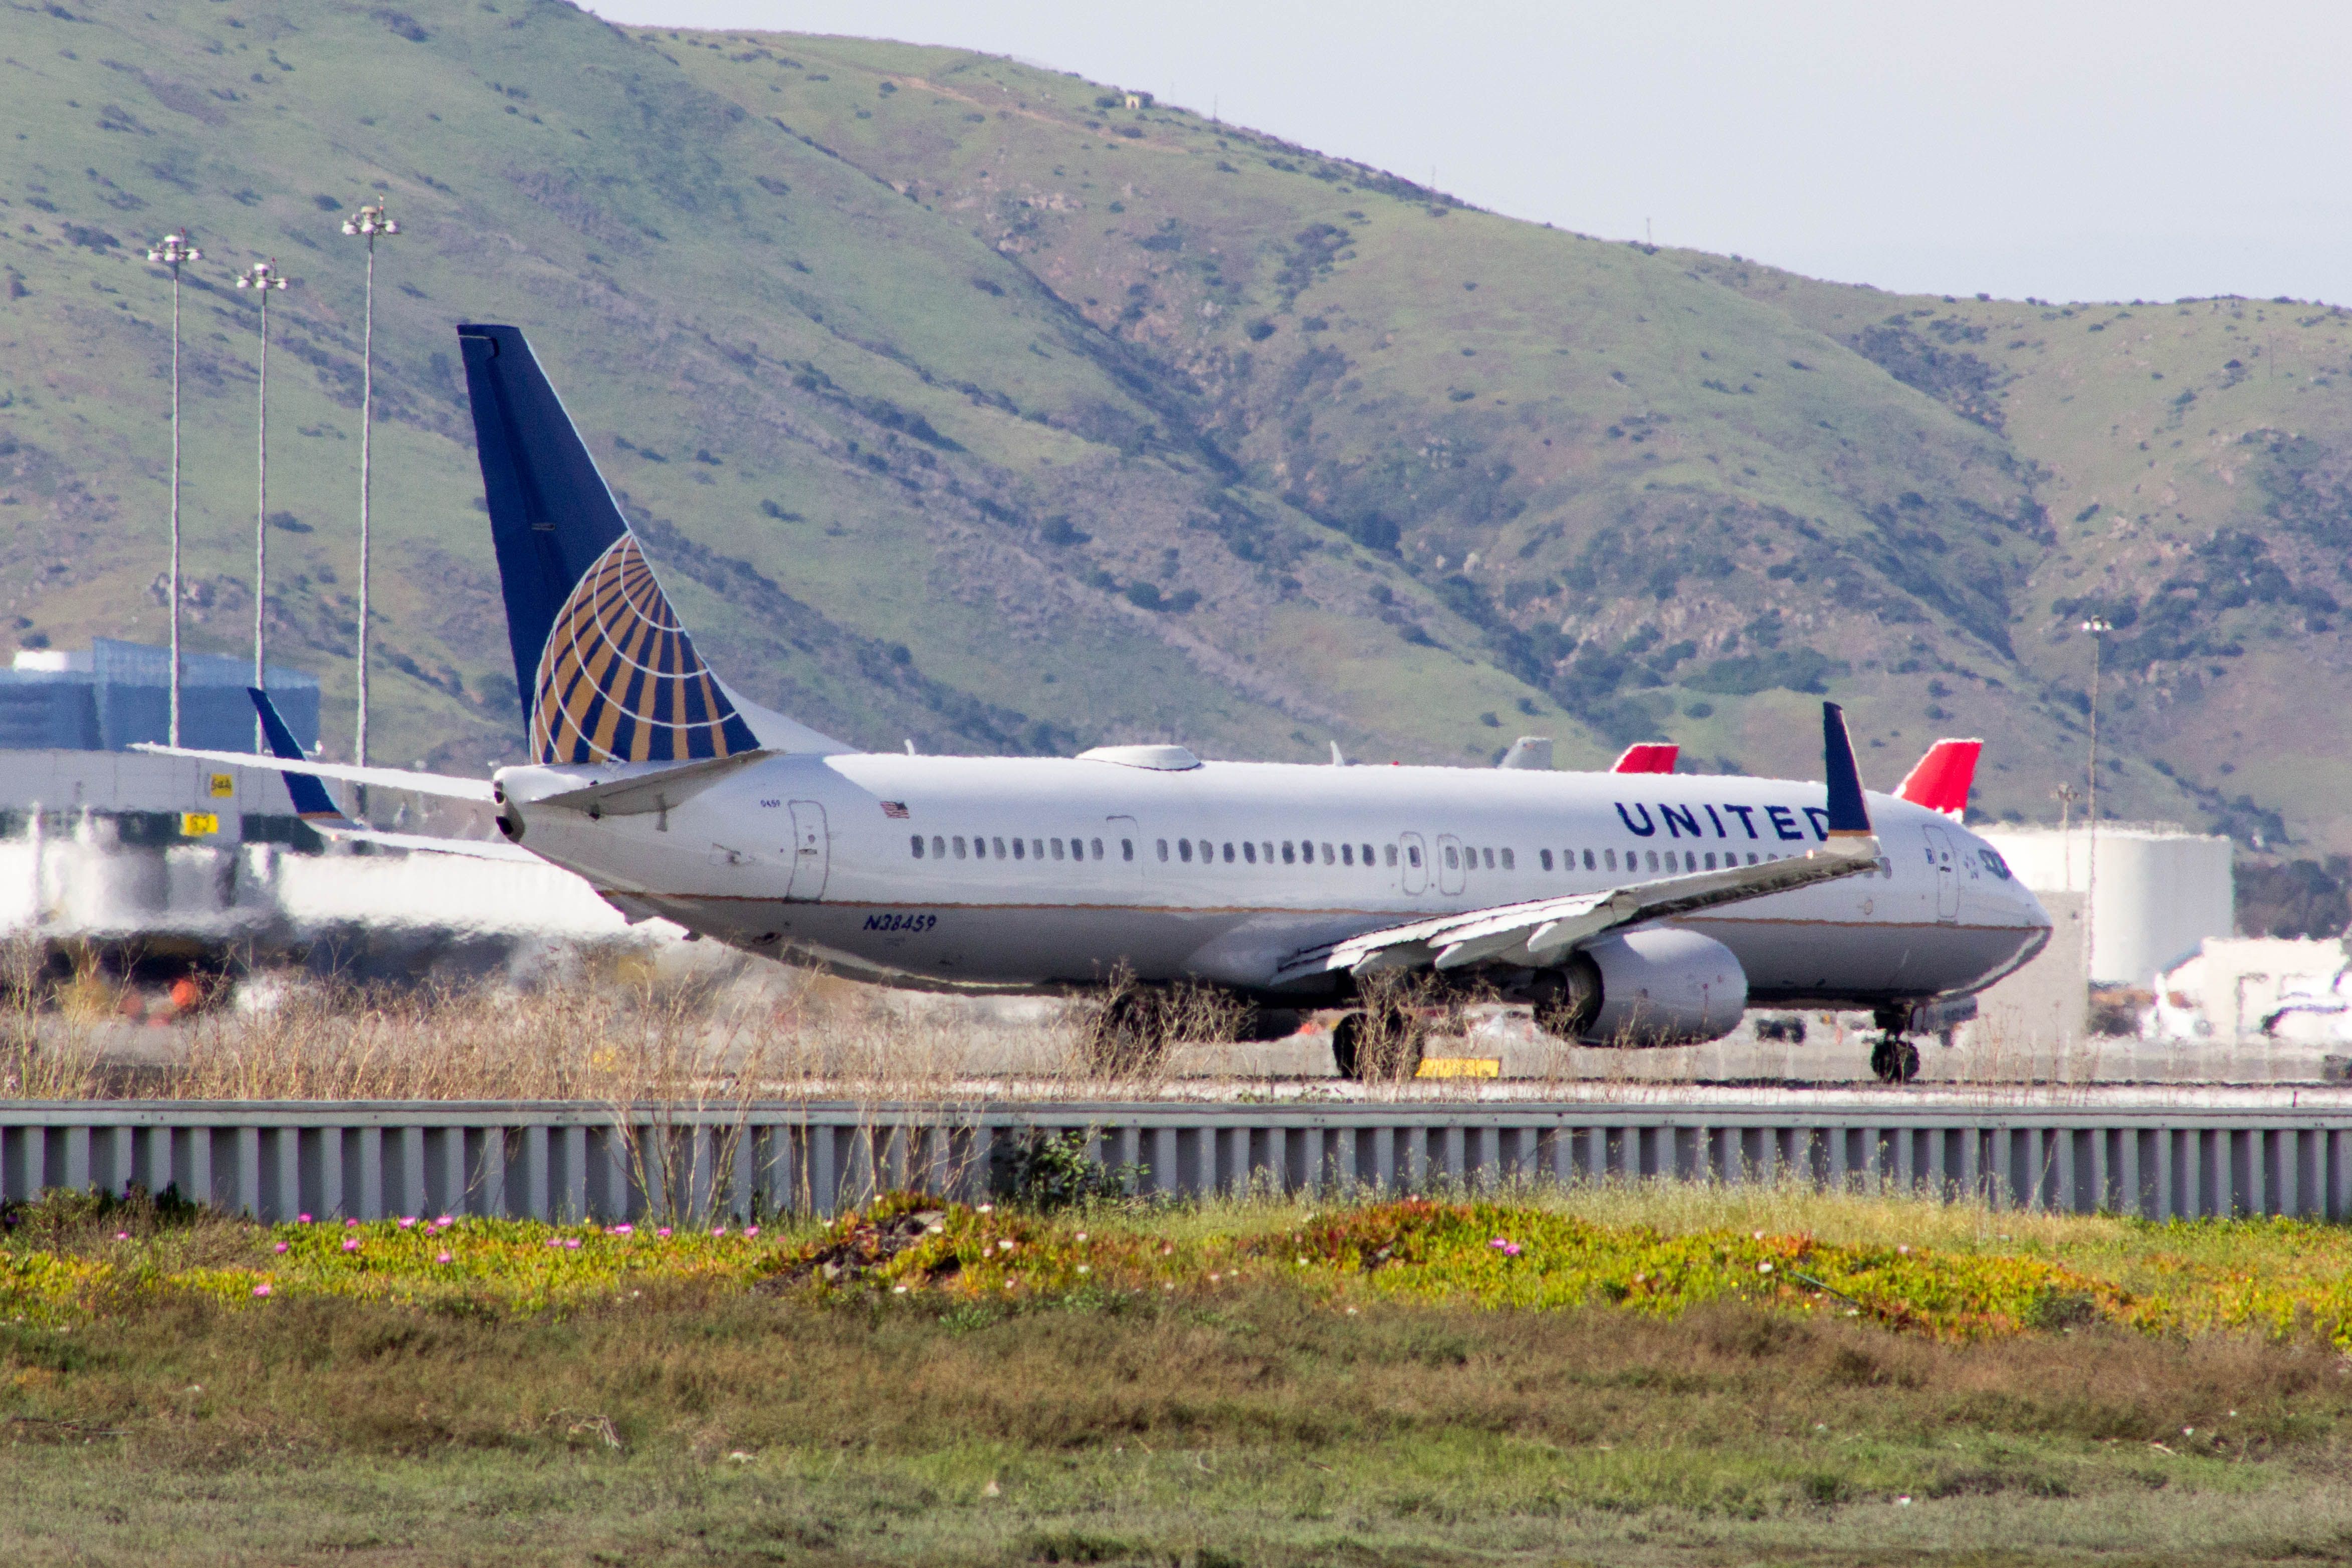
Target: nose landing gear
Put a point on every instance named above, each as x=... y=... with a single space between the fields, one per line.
x=1892 y=1058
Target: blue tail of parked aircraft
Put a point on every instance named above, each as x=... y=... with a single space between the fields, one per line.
x=606 y=672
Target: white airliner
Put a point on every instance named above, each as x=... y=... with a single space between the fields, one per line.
x=1631 y=907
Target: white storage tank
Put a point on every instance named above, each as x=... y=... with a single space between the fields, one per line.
x=2161 y=892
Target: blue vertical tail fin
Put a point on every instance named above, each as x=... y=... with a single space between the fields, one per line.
x=606 y=672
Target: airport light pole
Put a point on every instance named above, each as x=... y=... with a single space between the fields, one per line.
x=2098 y=627
x=173 y=250
x=263 y=279
x=372 y=223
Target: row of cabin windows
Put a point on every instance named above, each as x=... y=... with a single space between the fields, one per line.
x=942 y=845
x=1301 y=851
x=1297 y=851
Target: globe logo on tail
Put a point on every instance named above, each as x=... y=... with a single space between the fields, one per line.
x=619 y=680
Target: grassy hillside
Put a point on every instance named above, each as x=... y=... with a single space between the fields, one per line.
x=960 y=399
x=857 y=438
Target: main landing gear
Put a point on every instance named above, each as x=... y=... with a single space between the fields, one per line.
x=1382 y=1043
x=1892 y=1058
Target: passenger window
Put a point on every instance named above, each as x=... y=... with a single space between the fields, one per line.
x=1267 y=850
x=959 y=846
x=1710 y=860
x=1163 y=848
x=1057 y=847
x=1367 y=852
x=1126 y=850
x=1389 y=852
x=1588 y=860
x=1249 y=851
x=1327 y=854
x=1347 y=854
x=1098 y=852
x=1185 y=849
x=1037 y=849
x=1613 y=860
x=939 y=848
x=1450 y=861
x=1016 y=849
x=1413 y=855
x=998 y=845
x=1509 y=865
x=1208 y=851
x=1490 y=859
x=1287 y=856
x=1654 y=860
x=1229 y=854
x=917 y=842
x=1544 y=858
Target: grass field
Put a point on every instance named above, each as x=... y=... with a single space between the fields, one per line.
x=1225 y=1384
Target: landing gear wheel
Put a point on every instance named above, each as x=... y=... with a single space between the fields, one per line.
x=1894 y=1060
x=1129 y=1036
x=1381 y=1044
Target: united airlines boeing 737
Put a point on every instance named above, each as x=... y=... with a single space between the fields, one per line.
x=1632 y=908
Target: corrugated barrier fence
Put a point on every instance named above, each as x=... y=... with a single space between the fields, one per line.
x=582 y=1161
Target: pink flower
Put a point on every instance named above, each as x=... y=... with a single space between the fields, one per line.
x=1499 y=1243
x=407 y=1221
x=349 y=1223
x=261 y=1290
x=1510 y=1248
x=623 y=1229
x=663 y=1231
x=555 y=1241
x=122 y=1236
x=750 y=1232
x=717 y=1230
x=351 y=1244
x=445 y=1222
x=572 y=1242
x=279 y=1248
x=443 y=1258
x=304 y=1219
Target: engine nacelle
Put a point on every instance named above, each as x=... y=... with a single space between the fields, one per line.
x=1660 y=986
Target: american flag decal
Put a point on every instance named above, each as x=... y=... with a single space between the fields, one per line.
x=896 y=809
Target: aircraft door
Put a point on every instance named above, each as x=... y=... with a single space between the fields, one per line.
x=1415 y=867
x=1123 y=842
x=1449 y=863
x=1947 y=874
x=812 y=853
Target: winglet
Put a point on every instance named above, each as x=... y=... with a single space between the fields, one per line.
x=311 y=802
x=1943 y=778
x=1648 y=757
x=1849 y=818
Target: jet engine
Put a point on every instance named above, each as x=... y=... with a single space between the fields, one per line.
x=1659 y=987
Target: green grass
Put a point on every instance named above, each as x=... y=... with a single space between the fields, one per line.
x=663 y=1410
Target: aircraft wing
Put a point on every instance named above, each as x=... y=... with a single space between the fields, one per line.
x=1538 y=932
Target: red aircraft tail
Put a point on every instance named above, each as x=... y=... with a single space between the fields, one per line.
x=1941 y=780
x=1648 y=757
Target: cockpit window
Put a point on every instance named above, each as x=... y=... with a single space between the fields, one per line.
x=1994 y=864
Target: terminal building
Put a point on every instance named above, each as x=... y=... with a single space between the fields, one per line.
x=113 y=694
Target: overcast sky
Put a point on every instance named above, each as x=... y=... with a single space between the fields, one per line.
x=2069 y=149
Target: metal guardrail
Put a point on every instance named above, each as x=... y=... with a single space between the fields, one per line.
x=558 y=1161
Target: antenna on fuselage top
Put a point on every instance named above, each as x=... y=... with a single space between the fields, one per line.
x=910 y=748
x=1338 y=757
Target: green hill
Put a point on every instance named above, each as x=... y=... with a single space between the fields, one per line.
x=960 y=401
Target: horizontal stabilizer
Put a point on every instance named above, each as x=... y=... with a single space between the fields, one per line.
x=383 y=777
x=1529 y=751
x=1944 y=776
x=1648 y=757
x=636 y=790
